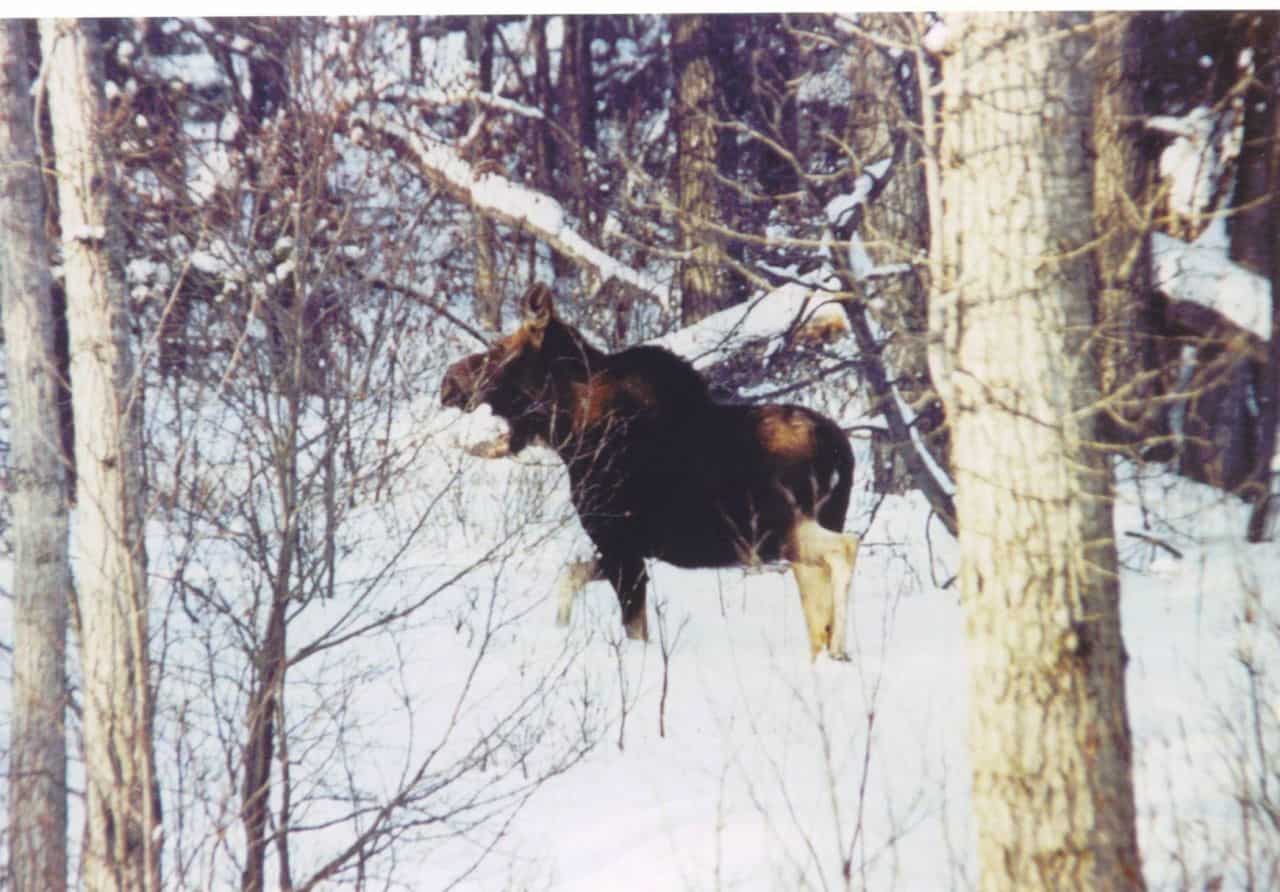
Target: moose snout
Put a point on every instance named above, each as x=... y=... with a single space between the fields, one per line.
x=453 y=391
x=462 y=385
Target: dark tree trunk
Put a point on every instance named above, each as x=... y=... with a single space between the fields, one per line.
x=697 y=155
x=488 y=293
x=1122 y=203
x=1268 y=391
x=1249 y=224
x=577 y=116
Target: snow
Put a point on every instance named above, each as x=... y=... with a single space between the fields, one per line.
x=935 y=40
x=197 y=70
x=723 y=335
x=908 y=417
x=1192 y=165
x=1201 y=273
x=773 y=773
x=88 y=233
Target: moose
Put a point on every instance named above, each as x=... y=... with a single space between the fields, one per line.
x=659 y=469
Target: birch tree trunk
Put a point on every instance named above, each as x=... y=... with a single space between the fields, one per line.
x=1048 y=732
x=38 y=481
x=122 y=839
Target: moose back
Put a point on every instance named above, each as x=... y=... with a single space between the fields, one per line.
x=657 y=468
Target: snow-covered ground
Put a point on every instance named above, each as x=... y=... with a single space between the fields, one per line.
x=777 y=774
x=760 y=770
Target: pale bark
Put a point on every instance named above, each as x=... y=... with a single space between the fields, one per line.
x=38 y=495
x=122 y=839
x=1048 y=733
x=702 y=280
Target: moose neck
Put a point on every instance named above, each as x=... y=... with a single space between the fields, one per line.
x=570 y=352
x=571 y=361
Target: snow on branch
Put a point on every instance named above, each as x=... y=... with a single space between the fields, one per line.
x=723 y=335
x=507 y=202
x=1201 y=273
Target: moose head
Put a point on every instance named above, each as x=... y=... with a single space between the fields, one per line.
x=513 y=377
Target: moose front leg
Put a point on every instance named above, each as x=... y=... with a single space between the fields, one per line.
x=627 y=575
x=573 y=578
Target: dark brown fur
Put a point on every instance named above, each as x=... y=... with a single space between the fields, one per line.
x=657 y=468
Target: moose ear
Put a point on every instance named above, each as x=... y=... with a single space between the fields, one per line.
x=538 y=309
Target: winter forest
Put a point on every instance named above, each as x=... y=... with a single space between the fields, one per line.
x=274 y=616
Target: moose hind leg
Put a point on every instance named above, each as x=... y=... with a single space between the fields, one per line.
x=823 y=563
x=815 y=600
x=573 y=578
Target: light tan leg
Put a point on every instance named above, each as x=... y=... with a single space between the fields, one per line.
x=842 y=562
x=815 y=600
x=573 y=578
x=823 y=562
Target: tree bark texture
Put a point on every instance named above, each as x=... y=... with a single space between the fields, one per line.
x=38 y=494
x=702 y=285
x=577 y=115
x=1048 y=732
x=1122 y=204
x=123 y=838
x=483 y=233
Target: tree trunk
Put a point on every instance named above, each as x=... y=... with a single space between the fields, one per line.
x=1249 y=223
x=123 y=832
x=39 y=496
x=488 y=296
x=1048 y=731
x=544 y=146
x=1260 y=487
x=577 y=115
x=260 y=736
x=1122 y=204
x=702 y=282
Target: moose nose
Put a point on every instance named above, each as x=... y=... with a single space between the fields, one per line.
x=452 y=394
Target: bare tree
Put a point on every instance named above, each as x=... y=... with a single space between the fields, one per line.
x=39 y=492
x=122 y=841
x=1049 y=734
x=303 y=493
